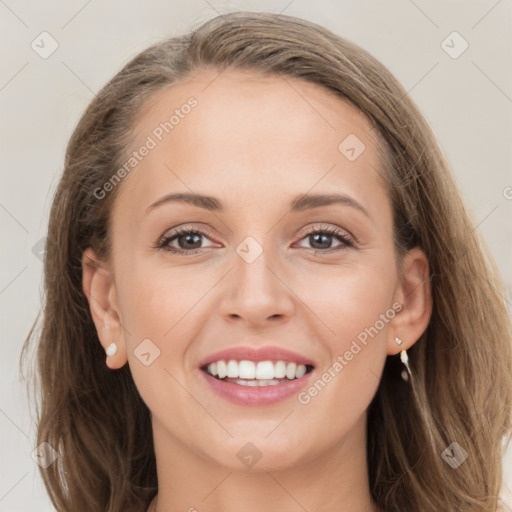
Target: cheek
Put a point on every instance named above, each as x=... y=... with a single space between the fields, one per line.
x=155 y=298
x=348 y=298
x=159 y=319
x=353 y=307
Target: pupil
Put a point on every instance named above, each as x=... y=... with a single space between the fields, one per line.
x=188 y=239
x=320 y=236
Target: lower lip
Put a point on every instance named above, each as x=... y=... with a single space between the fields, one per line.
x=256 y=395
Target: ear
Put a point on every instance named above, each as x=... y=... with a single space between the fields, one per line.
x=99 y=288
x=414 y=294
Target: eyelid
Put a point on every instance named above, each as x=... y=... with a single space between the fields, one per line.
x=184 y=229
x=329 y=228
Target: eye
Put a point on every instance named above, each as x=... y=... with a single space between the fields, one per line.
x=188 y=241
x=321 y=238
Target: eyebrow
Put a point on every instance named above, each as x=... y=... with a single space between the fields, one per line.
x=298 y=204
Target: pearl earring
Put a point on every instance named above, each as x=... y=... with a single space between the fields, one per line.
x=111 y=349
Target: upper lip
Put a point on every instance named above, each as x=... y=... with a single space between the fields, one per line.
x=267 y=353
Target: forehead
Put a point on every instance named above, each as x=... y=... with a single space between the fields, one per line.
x=249 y=99
x=251 y=133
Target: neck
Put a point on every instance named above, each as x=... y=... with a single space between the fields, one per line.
x=334 y=481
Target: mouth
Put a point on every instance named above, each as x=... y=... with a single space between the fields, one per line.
x=256 y=377
x=256 y=373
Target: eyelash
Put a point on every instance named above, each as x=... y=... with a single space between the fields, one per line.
x=163 y=242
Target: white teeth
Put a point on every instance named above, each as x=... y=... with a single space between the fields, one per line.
x=263 y=371
x=222 y=370
x=280 y=369
x=290 y=370
x=246 y=370
x=300 y=371
x=212 y=368
x=242 y=382
x=232 y=369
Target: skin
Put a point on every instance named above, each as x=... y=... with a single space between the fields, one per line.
x=255 y=143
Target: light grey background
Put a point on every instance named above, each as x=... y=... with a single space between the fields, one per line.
x=467 y=101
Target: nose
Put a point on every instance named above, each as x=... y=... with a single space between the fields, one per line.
x=257 y=292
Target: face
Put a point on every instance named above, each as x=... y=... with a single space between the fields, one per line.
x=261 y=269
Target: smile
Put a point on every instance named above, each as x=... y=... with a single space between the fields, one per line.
x=254 y=377
x=261 y=373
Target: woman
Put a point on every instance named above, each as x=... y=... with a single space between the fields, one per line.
x=325 y=341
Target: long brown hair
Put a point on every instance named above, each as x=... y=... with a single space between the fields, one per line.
x=462 y=364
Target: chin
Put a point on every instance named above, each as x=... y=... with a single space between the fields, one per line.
x=257 y=454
